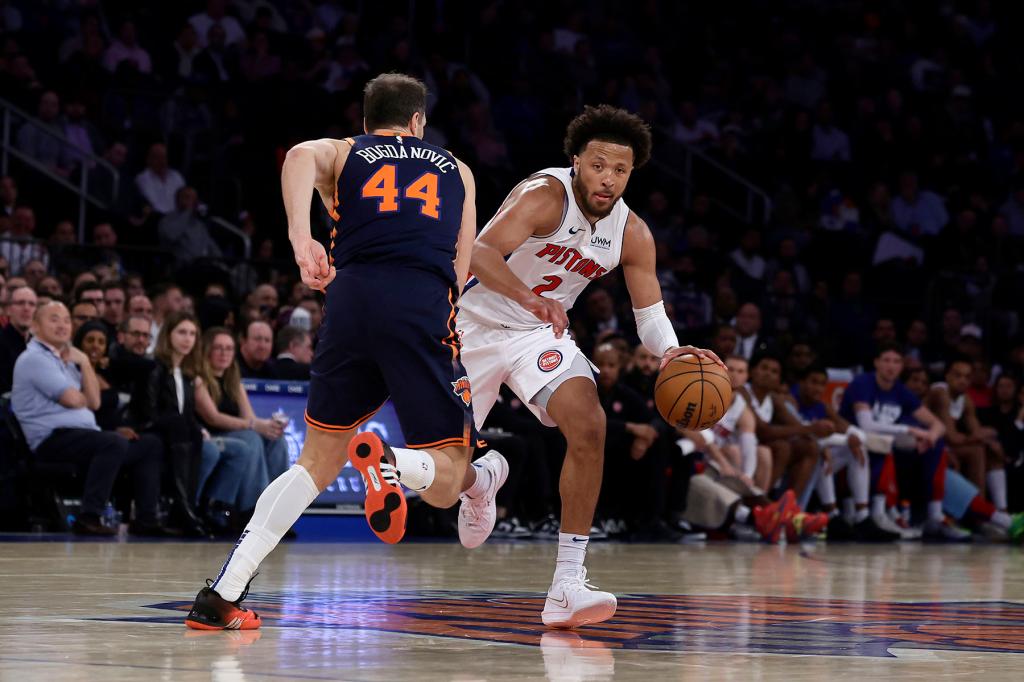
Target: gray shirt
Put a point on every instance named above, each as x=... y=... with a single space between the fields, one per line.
x=40 y=378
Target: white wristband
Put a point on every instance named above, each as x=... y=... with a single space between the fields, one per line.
x=655 y=329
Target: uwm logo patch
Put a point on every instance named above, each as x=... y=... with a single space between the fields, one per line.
x=462 y=389
x=667 y=622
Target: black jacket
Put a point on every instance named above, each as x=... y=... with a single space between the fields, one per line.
x=288 y=369
x=155 y=406
x=12 y=343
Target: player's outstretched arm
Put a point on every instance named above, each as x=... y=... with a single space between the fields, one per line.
x=467 y=232
x=533 y=208
x=310 y=165
x=639 y=269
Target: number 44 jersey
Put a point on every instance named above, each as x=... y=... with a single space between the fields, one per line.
x=399 y=204
x=558 y=265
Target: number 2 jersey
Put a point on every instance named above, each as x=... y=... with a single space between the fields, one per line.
x=559 y=265
x=399 y=203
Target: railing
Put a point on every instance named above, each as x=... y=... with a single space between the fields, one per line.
x=699 y=173
x=235 y=231
x=13 y=119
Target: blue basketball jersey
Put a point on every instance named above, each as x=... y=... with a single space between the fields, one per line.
x=808 y=413
x=399 y=204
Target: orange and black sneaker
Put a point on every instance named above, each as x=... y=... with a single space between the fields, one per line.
x=385 y=503
x=210 y=611
x=804 y=526
x=771 y=520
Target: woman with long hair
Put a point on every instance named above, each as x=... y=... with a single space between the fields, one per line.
x=167 y=406
x=223 y=406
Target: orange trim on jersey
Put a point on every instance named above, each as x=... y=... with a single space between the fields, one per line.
x=446 y=443
x=332 y=428
x=481 y=443
x=452 y=340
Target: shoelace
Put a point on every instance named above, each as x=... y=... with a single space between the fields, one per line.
x=245 y=592
x=389 y=472
x=581 y=579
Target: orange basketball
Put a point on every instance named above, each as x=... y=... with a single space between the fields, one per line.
x=691 y=394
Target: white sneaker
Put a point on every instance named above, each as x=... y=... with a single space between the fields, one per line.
x=885 y=523
x=476 y=516
x=572 y=601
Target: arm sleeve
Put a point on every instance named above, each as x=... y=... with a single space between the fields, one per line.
x=867 y=422
x=655 y=329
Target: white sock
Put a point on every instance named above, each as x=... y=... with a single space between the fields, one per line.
x=748 y=453
x=878 y=505
x=849 y=509
x=279 y=506
x=1001 y=519
x=826 y=488
x=859 y=478
x=415 y=468
x=742 y=513
x=572 y=550
x=860 y=514
x=996 y=480
x=483 y=479
x=935 y=511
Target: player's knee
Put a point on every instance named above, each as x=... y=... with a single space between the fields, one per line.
x=587 y=429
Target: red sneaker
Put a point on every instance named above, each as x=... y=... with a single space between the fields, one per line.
x=210 y=611
x=385 y=502
x=772 y=519
x=803 y=526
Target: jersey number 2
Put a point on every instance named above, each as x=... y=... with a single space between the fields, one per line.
x=553 y=282
x=382 y=186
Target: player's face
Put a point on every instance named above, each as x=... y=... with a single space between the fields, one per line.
x=738 y=371
x=917 y=383
x=645 y=361
x=813 y=387
x=889 y=365
x=601 y=173
x=766 y=375
x=958 y=377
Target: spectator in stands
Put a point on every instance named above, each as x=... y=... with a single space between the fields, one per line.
x=8 y=195
x=829 y=143
x=105 y=239
x=114 y=299
x=216 y=15
x=224 y=407
x=84 y=140
x=128 y=361
x=748 y=331
x=34 y=271
x=83 y=312
x=294 y=354
x=724 y=341
x=125 y=51
x=50 y=286
x=316 y=314
x=168 y=299
x=20 y=308
x=55 y=391
x=1013 y=208
x=918 y=212
x=257 y=343
x=184 y=233
x=159 y=183
x=90 y=292
x=177 y=61
x=20 y=246
x=42 y=141
x=217 y=63
x=165 y=405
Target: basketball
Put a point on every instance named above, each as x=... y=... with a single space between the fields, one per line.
x=691 y=394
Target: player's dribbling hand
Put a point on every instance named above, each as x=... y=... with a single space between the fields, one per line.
x=550 y=311
x=701 y=353
x=316 y=270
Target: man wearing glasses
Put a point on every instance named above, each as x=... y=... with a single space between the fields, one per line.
x=128 y=360
x=20 y=308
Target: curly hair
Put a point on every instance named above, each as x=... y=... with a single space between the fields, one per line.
x=609 y=124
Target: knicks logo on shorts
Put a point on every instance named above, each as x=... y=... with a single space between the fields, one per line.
x=462 y=389
x=549 y=360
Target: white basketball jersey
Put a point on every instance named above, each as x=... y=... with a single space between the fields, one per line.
x=559 y=265
x=764 y=409
x=956 y=405
x=726 y=426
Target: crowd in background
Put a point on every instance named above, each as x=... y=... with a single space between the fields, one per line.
x=888 y=136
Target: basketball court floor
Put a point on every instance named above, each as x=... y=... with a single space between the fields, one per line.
x=431 y=611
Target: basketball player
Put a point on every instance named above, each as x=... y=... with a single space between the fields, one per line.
x=975 y=447
x=557 y=231
x=404 y=221
x=844 y=449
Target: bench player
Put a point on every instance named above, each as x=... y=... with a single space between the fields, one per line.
x=557 y=231
x=405 y=219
